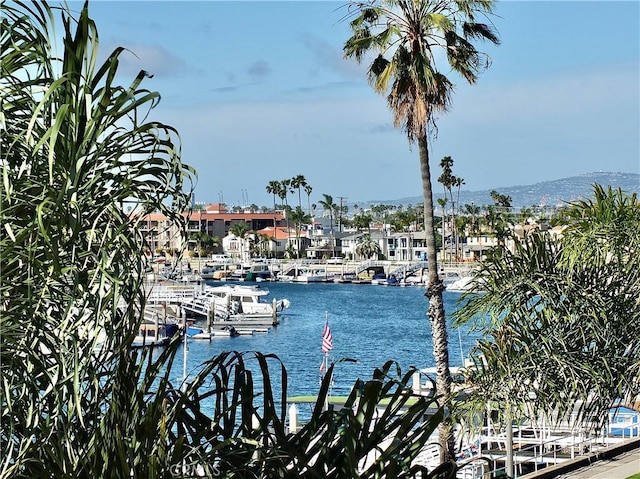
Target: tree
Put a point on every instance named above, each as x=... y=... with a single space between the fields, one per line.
x=498 y=216
x=299 y=218
x=274 y=187
x=367 y=248
x=240 y=231
x=83 y=163
x=264 y=244
x=362 y=221
x=442 y=202
x=283 y=192
x=449 y=180
x=503 y=201
x=561 y=317
x=330 y=207
x=205 y=243
x=473 y=211
x=407 y=35
x=308 y=189
x=298 y=182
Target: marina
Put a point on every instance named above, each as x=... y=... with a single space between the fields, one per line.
x=372 y=324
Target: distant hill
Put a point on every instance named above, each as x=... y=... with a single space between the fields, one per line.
x=547 y=192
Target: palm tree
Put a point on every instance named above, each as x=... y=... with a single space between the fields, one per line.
x=299 y=218
x=568 y=304
x=285 y=189
x=308 y=189
x=264 y=242
x=240 y=231
x=329 y=206
x=473 y=211
x=443 y=204
x=274 y=187
x=298 y=182
x=204 y=242
x=449 y=180
x=367 y=248
x=362 y=221
x=498 y=216
x=406 y=34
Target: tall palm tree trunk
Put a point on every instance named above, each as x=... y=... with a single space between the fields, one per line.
x=436 y=313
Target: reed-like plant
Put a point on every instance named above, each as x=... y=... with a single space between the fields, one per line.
x=82 y=163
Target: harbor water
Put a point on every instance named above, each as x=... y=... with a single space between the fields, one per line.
x=370 y=324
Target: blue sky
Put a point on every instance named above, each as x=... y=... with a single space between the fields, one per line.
x=259 y=91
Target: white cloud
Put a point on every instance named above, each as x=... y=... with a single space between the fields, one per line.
x=155 y=59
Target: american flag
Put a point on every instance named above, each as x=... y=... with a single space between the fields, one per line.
x=327 y=339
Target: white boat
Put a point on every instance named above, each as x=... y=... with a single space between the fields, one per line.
x=464 y=283
x=191 y=278
x=313 y=274
x=232 y=301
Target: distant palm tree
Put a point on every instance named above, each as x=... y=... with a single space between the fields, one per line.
x=308 y=189
x=406 y=34
x=329 y=206
x=264 y=243
x=367 y=248
x=299 y=218
x=283 y=192
x=362 y=221
x=274 y=188
x=204 y=242
x=298 y=182
x=474 y=211
x=240 y=231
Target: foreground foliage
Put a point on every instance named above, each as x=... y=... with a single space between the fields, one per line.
x=562 y=317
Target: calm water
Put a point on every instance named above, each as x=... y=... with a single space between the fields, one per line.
x=369 y=323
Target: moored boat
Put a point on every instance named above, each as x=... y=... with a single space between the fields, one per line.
x=152 y=333
x=232 y=302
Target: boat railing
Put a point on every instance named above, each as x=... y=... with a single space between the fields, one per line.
x=539 y=450
x=171 y=293
x=361 y=267
x=405 y=270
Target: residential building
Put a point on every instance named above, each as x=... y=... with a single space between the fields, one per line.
x=214 y=220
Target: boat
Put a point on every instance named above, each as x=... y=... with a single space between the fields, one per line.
x=226 y=332
x=464 y=283
x=152 y=333
x=313 y=274
x=194 y=332
x=233 y=302
x=209 y=271
x=290 y=273
x=255 y=271
x=347 y=277
x=190 y=278
x=389 y=281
